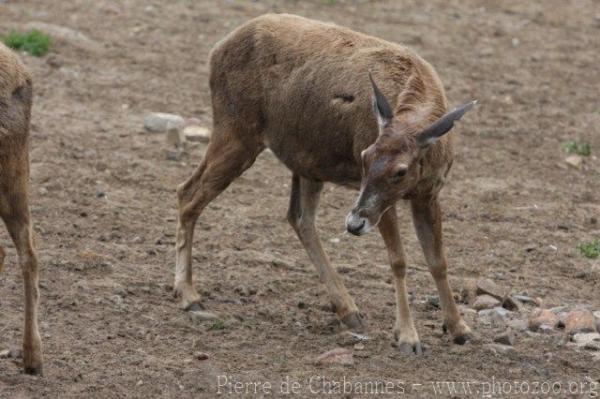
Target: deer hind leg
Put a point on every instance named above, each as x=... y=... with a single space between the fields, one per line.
x=427 y=218
x=226 y=158
x=301 y=215
x=405 y=334
x=15 y=213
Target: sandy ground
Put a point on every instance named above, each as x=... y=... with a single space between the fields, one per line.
x=110 y=326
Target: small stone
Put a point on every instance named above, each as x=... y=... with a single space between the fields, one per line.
x=542 y=317
x=358 y=337
x=197 y=134
x=506 y=338
x=515 y=42
x=579 y=321
x=485 y=286
x=4 y=353
x=201 y=355
x=336 y=356
x=173 y=154
x=334 y=240
x=574 y=161
x=117 y=300
x=545 y=329
x=160 y=122
x=200 y=315
x=485 y=302
x=499 y=349
x=359 y=347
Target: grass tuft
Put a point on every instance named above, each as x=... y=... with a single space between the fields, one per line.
x=573 y=147
x=218 y=325
x=590 y=249
x=33 y=42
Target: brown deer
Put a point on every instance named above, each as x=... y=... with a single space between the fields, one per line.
x=302 y=88
x=15 y=110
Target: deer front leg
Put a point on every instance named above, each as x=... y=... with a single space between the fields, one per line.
x=405 y=334
x=427 y=218
x=301 y=215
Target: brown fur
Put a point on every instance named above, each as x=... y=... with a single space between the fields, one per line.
x=15 y=110
x=301 y=88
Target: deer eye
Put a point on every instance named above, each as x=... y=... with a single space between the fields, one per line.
x=400 y=173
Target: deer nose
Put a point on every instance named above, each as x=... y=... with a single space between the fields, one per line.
x=355 y=224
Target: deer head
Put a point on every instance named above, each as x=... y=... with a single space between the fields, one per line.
x=391 y=166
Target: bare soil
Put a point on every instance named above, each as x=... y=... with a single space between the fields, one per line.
x=104 y=206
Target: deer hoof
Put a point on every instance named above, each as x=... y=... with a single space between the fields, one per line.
x=406 y=348
x=353 y=321
x=463 y=339
x=34 y=370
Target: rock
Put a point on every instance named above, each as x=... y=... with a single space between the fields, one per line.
x=496 y=317
x=519 y=325
x=527 y=300
x=175 y=138
x=579 y=321
x=499 y=349
x=197 y=134
x=597 y=314
x=117 y=300
x=574 y=161
x=433 y=301
x=512 y=304
x=485 y=286
x=159 y=122
x=359 y=346
x=506 y=338
x=336 y=356
x=200 y=315
x=485 y=302
x=542 y=317
x=590 y=341
x=201 y=355
x=67 y=35
x=13 y=353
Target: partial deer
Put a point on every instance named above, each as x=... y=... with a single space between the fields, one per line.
x=303 y=89
x=15 y=110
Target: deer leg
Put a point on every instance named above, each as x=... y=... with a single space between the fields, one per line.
x=427 y=218
x=405 y=334
x=15 y=213
x=226 y=158
x=301 y=215
x=2 y=256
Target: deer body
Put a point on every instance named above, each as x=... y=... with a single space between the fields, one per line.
x=301 y=88
x=15 y=109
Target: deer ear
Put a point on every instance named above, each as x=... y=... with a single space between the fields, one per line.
x=443 y=125
x=381 y=107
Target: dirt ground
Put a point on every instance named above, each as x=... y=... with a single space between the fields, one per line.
x=103 y=203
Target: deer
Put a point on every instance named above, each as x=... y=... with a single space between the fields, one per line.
x=307 y=90
x=16 y=95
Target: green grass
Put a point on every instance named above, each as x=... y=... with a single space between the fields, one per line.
x=573 y=147
x=218 y=325
x=34 y=42
x=590 y=249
